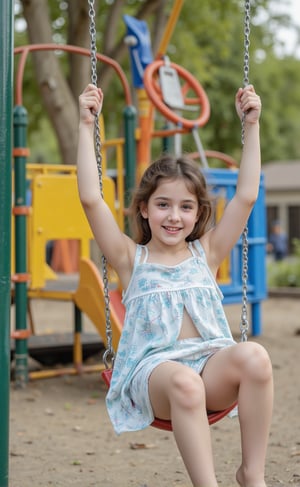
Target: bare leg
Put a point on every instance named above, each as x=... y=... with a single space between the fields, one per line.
x=177 y=392
x=245 y=368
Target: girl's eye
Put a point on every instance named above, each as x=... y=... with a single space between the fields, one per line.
x=162 y=205
x=187 y=207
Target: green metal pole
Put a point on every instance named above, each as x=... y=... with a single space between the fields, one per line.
x=21 y=349
x=168 y=142
x=6 y=91
x=129 y=115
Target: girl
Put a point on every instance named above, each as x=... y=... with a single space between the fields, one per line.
x=176 y=356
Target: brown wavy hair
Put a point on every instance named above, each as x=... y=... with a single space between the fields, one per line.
x=169 y=167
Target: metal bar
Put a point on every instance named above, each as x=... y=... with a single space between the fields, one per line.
x=21 y=350
x=169 y=28
x=25 y=50
x=6 y=91
x=130 y=157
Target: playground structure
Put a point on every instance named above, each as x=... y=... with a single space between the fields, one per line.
x=33 y=224
x=6 y=82
x=54 y=187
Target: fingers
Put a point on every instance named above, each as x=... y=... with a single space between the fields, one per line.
x=248 y=103
x=249 y=99
x=91 y=99
x=248 y=96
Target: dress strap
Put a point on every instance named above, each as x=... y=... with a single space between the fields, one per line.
x=138 y=254
x=146 y=252
x=200 y=251
x=192 y=249
x=197 y=249
x=141 y=255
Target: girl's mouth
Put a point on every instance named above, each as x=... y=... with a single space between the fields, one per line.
x=172 y=229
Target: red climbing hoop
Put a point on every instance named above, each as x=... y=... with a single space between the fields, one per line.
x=154 y=92
x=229 y=161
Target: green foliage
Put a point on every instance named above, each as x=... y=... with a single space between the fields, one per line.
x=208 y=42
x=40 y=153
x=296 y=244
x=280 y=95
x=285 y=273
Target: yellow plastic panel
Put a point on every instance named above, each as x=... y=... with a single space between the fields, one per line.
x=57 y=214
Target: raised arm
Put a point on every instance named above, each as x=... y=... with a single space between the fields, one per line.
x=220 y=240
x=117 y=247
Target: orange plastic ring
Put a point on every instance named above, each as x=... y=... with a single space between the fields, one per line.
x=21 y=210
x=21 y=152
x=20 y=277
x=20 y=334
x=156 y=98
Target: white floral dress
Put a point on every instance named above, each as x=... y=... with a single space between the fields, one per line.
x=155 y=301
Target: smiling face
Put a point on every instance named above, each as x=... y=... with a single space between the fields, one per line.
x=172 y=212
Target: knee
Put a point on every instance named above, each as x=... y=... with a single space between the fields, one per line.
x=187 y=389
x=255 y=362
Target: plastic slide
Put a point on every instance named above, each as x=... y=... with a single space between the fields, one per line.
x=89 y=297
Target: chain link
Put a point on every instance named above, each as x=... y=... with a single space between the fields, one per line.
x=246 y=55
x=93 y=42
x=244 y=324
x=246 y=41
x=109 y=354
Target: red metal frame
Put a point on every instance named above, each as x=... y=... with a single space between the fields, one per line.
x=25 y=50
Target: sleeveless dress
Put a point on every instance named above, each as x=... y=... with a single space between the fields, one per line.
x=155 y=301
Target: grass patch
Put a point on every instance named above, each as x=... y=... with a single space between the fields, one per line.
x=285 y=273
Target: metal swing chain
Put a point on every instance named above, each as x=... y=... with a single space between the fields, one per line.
x=109 y=354
x=244 y=324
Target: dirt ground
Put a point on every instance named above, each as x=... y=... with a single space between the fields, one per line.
x=60 y=434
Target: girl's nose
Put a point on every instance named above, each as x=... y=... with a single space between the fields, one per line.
x=174 y=215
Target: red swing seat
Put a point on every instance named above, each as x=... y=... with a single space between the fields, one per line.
x=165 y=424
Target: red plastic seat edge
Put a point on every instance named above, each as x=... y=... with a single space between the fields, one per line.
x=164 y=424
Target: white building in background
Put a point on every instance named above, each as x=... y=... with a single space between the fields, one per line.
x=282 y=184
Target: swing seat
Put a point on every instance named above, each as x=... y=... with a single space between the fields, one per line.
x=165 y=424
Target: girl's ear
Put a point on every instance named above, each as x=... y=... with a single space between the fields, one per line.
x=144 y=209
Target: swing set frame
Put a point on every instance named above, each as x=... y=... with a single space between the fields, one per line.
x=109 y=354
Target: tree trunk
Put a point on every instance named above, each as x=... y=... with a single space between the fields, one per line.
x=79 y=35
x=60 y=93
x=159 y=25
x=56 y=94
